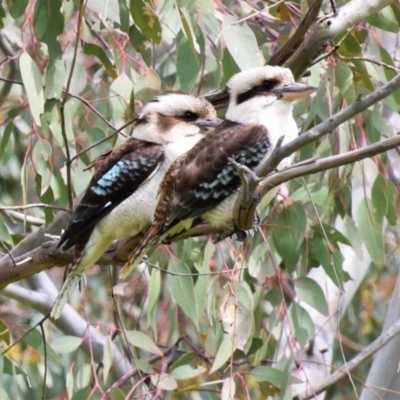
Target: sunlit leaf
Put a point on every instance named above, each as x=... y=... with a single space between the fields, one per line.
x=241 y=43
x=224 y=353
x=83 y=376
x=228 y=389
x=107 y=357
x=66 y=344
x=41 y=158
x=32 y=79
x=187 y=372
x=164 y=381
x=385 y=20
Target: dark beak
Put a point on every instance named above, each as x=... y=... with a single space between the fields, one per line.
x=205 y=123
x=293 y=92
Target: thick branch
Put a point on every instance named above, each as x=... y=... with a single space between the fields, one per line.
x=71 y=323
x=326 y=28
x=355 y=362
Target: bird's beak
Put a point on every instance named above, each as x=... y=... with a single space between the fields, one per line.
x=205 y=123
x=293 y=92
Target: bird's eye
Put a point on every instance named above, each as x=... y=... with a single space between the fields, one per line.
x=268 y=84
x=189 y=116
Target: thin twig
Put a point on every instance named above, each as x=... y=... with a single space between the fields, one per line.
x=370 y=60
x=33 y=205
x=62 y=106
x=45 y=360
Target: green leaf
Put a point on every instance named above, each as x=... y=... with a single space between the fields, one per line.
x=224 y=353
x=345 y=82
x=153 y=294
x=35 y=340
x=146 y=19
x=383 y=196
x=241 y=43
x=311 y=293
x=83 y=376
x=16 y=7
x=332 y=233
x=147 y=86
x=66 y=344
x=371 y=231
x=384 y=19
x=117 y=394
x=94 y=50
x=288 y=229
x=107 y=357
x=331 y=263
x=139 y=339
x=138 y=40
x=268 y=374
x=182 y=290
x=55 y=73
x=123 y=15
x=229 y=66
x=6 y=137
x=2 y=16
x=187 y=64
x=302 y=324
x=41 y=158
x=32 y=80
x=164 y=381
x=187 y=372
x=81 y=394
x=188 y=30
x=48 y=24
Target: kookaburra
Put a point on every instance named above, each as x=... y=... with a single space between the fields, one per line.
x=203 y=183
x=121 y=198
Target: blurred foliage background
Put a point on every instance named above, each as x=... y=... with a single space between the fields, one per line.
x=75 y=72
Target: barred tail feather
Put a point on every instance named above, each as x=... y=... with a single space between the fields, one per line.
x=69 y=285
x=140 y=250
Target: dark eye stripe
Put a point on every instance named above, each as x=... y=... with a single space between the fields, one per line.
x=264 y=88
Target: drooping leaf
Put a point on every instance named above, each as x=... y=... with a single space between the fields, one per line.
x=66 y=344
x=139 y=339
x=154 y=294
x=288 y=229
x=107 y=357
x=267 y=374
x=182 y=290
x=302 y=324
x=241 y=43
x=94 y=50
x=48 y=24
x=224 y=353
x=164 y=381
x=123 y=15
x=188 y=30
x=41 y=158
x=371 y=231
x=187 y=64
x=137 y=39
x=187 y=372
x=310 y=292
x=32 y=80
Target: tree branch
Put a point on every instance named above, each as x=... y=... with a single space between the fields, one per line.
x=71 y=323
x=355 y=362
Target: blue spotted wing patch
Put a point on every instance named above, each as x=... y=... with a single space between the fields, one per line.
x=204 y=177
x=118 y=176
